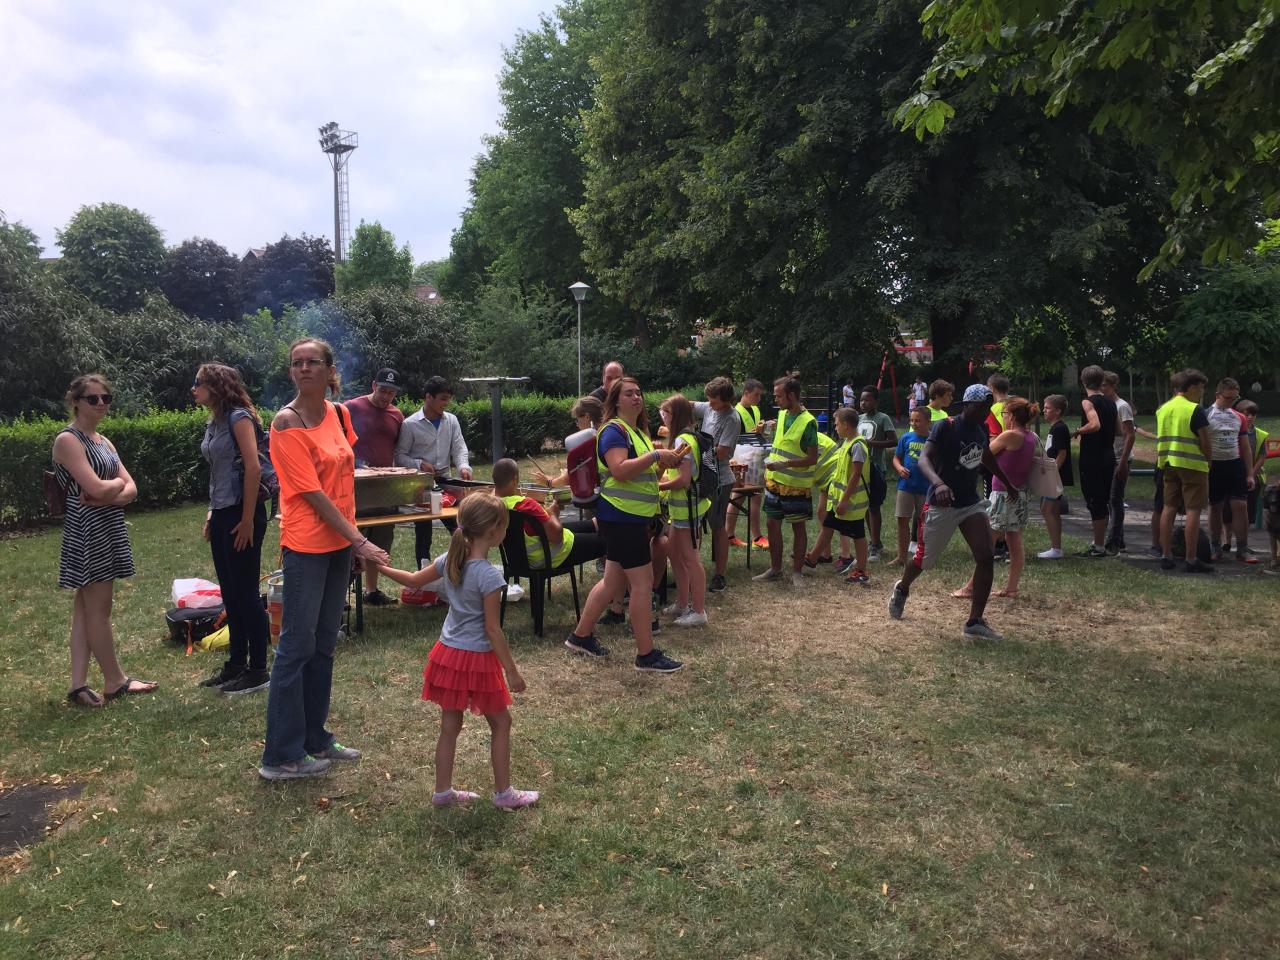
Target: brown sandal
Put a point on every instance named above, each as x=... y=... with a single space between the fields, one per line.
x=125 y=689
x=84 y=697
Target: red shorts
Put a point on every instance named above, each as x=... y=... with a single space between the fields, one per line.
x=465 y=680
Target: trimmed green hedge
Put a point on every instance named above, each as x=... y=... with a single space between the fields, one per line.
x=162 y=450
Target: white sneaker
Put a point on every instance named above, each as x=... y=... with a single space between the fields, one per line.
x=674 y=610
x=768 y=575
x=1051 y=554
x=797 y=579
x=692 y=619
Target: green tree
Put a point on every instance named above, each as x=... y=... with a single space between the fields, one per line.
x=1195 y=82
x=430 y=271
x=293 y=270
x=1037 y=346
x=375 y=261
x=112 y=254
x=1230 y=324
x=201 y=277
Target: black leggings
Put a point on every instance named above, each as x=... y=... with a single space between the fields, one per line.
x=238 y=573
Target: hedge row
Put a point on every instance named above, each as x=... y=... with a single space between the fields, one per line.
x=162 y=450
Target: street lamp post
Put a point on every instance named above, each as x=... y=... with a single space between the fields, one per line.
x=579 y=291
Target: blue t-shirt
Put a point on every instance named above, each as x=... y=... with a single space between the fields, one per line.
x=910 y=446
x=957 y=454
x=464 y=625
x=612 y=437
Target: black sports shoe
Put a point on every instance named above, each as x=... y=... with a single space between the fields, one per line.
x=655 y=661
x=1167 y=563
x=225 y=675
x=611 y=619
x=248 y=682
x=376 y=598
x=1198 y=566
x=717 y=584
x=897 y=601
x=588 y=645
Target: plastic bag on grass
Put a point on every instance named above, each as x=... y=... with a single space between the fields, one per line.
x=195 y=592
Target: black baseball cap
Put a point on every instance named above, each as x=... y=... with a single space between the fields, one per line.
x=388 y=378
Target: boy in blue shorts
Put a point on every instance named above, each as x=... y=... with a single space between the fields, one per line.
x=912 y=485
x=788 y=486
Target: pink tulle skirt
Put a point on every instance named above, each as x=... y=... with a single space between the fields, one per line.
x=465 y=680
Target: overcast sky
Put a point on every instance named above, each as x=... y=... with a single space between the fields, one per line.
x=204 y=115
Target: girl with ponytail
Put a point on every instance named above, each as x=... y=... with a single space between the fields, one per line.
x=471 y=667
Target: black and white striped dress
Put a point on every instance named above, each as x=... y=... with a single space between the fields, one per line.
x=95 y=541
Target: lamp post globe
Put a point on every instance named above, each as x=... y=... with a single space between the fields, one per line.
x=579 y=291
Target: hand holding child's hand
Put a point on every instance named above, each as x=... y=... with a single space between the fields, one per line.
x=515 y=682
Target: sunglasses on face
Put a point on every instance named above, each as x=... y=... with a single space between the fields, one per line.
x=304 y=363
x=93 y=399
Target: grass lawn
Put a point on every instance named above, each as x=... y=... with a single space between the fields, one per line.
x=819 y=782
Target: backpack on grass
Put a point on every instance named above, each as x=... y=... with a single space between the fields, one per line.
x=187 y=625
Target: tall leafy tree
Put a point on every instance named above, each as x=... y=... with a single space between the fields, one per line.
x=293 y=270
x=375 y=261
x=201 y=277
x=112 y=254
x=1195 y=81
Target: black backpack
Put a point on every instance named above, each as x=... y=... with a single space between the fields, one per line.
x=190 y=624
x=707 y=481
x=268 y=482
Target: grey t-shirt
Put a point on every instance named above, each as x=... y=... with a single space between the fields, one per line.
x=1124 y=414
x=725 y=428
x=226 y=484
x=876 y=426
x=464 y=625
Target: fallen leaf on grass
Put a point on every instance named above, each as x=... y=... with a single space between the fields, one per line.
x=884 y=889
x=300 y=878
x=116 y=903
x=429 y=948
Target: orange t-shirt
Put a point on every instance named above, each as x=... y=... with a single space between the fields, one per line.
x=310 y=459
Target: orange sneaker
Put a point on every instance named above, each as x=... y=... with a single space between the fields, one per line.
x=737 y=542
x=762 y=543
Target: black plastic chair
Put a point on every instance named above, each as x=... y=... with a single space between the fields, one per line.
x=515 y=564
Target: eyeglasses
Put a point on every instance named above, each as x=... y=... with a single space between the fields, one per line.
x=93 y=399
x=303 y=363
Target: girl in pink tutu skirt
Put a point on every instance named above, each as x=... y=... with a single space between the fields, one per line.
x=470 y=667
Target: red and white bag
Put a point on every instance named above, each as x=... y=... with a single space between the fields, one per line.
x=195 y=592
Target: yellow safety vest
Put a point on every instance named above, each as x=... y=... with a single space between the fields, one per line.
x=825 y=468
x=786 y=446
x=860 y=500
x=638 y=497
x=678 y=500
x=935 y=414
x=1260 y=449
x=750 y=417
x=533 y=545
x=997 y=411
x=1176 y=443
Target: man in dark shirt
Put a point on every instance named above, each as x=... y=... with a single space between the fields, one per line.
x=612 y=371
x=1097 y=433
x=376 y=420
x=956 y=448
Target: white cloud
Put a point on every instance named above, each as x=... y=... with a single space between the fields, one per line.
x=204 y=116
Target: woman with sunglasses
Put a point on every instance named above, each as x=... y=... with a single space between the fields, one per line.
x=311 y=441
x=236 y=523
x=95 y=541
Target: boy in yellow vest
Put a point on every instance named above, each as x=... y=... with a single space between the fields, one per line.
x=789 y=471
x=848 y=495
x=570 y=543
x=1184 y=450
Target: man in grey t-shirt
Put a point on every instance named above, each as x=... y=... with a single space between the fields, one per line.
x=1126 y=434
x=721 y=421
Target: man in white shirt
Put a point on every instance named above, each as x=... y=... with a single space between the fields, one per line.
x=1230 y=469
x=1126 y=434
x=431 y=441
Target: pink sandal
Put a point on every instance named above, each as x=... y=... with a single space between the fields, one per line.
x=453 y=798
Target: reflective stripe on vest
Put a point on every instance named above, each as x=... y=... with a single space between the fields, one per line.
x=786 y=446
x=860 y=500
x=678 y=500
x=825 y=468
x=638 y=497
x=1176 y=443
x=750 y=417
x=533 y=545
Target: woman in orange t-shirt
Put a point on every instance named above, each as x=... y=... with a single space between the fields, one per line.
x=311 y=441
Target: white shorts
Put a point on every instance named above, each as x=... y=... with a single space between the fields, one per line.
x=939 y=526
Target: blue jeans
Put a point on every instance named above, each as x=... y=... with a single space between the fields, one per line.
x=315 y=590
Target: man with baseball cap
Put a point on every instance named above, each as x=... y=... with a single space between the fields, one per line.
x=376 y=420
x=956 y=448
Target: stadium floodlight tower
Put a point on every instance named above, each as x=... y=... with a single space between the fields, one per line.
x=339 y=144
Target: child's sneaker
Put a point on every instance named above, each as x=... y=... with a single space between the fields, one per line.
x=768 y=576
x=513 y=799
x=737 y=542
x=674 y=611
x=859 y=577
x=843 y=566
x=692 y=619
x=588 y=645
x=611 y=618
x=897 y=601
x=655 y=661
x=453 y=798
x=761 y=543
